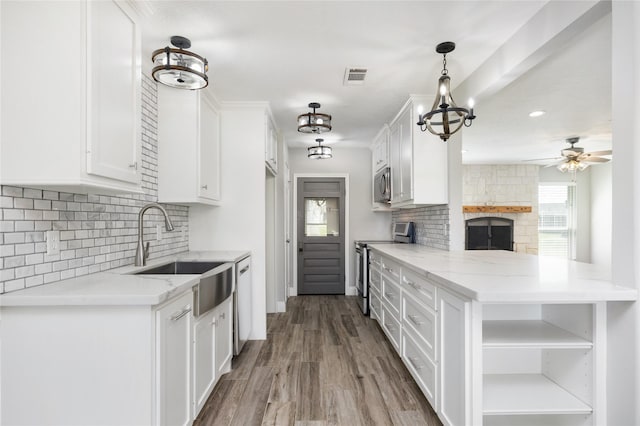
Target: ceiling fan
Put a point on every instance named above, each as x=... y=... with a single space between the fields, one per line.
x=575 y=159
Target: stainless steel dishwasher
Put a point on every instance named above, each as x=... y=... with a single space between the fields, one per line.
x=242 y=309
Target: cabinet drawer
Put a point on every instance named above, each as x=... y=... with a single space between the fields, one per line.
x=420 y=287
x=422 y=321
x=391 y=327
x=421 y=367
x=375 y=261
x=391 y=296
x=375 y=306
x=390 y=268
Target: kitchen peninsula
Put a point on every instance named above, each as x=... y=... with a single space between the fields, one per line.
x=496 y=336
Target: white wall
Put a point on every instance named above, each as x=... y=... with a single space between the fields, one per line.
x=601 y=214
x=363 y=222
x=239 y=223
x=583 y=200
x=623 y=372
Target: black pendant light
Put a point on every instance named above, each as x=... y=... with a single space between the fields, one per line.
x=180 y=68
x=319 y=152
x=445 y=117
x=314 y=122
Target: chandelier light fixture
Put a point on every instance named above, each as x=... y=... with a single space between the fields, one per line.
x=314 y=122
x=319 y=152
x=445 y=117
x=178 y=67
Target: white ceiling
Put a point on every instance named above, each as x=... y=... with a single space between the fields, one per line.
x=291 y=53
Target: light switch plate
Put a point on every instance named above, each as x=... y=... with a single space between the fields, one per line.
x=53 y=242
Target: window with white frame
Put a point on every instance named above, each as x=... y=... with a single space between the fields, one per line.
x=557 y=219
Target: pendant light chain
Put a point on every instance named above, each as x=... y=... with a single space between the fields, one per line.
x=444 y=65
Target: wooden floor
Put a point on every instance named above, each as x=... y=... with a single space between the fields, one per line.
x=323 y=363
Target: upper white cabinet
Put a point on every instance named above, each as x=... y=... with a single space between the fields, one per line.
x=418 y=160
x=188 y=147
x=380 y=149
x=271 y=145
x=70 y=82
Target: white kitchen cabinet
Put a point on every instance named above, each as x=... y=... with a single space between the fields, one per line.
x=418 y=160
x=271 y=145
x=204 y=365
x=454 y=331
x=224 y=336
x=188 y=147
x=76 y=125
x=380 y=150
x=173 y=349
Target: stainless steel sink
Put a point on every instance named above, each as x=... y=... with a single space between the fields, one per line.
x=181 y=267
x=213 y=288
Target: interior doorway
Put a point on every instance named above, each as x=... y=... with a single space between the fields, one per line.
x=321 y=230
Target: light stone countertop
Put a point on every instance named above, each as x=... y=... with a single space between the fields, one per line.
x=496 y=276
x=118 y=286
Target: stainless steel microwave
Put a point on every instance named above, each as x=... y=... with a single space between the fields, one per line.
x=382 y=186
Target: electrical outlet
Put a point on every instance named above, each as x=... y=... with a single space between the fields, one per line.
x=53 y=242
x=158 y=233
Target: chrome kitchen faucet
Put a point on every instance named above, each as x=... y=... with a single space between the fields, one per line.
x=142 y=251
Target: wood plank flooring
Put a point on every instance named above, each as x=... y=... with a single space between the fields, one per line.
x=323 y=363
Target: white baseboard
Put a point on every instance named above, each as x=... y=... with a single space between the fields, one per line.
x=281 y=307
x=351 y=291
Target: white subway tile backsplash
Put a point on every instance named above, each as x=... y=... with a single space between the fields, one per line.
x=98 y=232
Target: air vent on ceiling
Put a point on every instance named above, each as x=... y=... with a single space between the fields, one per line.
x=354 y=76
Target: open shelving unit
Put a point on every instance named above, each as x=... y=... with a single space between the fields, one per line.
x=539 y=364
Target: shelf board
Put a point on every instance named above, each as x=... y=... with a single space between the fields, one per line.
x=496 y=209
x=529 y=334
x=513 y=394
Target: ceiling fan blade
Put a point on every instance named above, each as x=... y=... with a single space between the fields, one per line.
x=570 y=153
x=555 y=163
x=596 y=153
x=545 y=159
x=595 y=160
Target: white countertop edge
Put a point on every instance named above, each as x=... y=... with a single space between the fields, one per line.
x=119 y=286
x=591 y=290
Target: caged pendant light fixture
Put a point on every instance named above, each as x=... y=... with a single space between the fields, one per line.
x=319 y=152
x=314 y=122
x=180 y=68
x=445 y=117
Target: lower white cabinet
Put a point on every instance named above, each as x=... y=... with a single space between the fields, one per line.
x=173 y=357
x=421 y=367
x=115 y=365
x=224 y=336
x=204 y=365
x=453 y=349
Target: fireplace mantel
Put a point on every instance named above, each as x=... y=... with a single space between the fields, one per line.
x=496 y=209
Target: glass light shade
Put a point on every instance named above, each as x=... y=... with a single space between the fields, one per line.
x=319 y=152
x=180 y=69
x=314 y=122
x=572 y=166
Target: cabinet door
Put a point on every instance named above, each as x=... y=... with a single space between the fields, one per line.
x=271 y=145
x=381 y=151
x=396 y=173
x=454 y=338
x=209 y=151
x=113 y=95
x=224 y=347
x=406 y=156
x=173 y=358
x=204 y=369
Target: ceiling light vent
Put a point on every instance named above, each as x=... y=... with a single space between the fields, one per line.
x=354 y=76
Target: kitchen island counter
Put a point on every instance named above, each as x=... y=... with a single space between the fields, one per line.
x=119 y=286
x=495 y=276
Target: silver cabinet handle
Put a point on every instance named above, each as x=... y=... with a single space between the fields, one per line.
x=390 y=295
x=214 y=322
x=414 y=319
x=205 y=187
x=387 y=269
x=245 y=269
x=180 y=314
x=134 y=165
x=414 y=363
x=223 y=315
x=411 y=283
x=389 y=326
